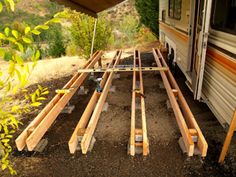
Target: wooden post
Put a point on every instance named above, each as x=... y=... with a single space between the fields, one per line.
x=228 y=139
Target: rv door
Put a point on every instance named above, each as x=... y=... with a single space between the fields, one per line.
x=203 y=13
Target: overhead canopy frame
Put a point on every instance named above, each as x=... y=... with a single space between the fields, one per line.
x=89 y=7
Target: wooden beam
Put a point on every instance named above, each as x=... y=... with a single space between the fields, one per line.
x=178 y=114
x=54 y=107
x=144 y=123
x=127 y=69
x=97 y=111
x=83 y=121
x=133 y=108
x=228 y=139
x=187 y=113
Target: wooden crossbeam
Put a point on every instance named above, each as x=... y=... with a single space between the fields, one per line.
x=183 y=114
x=137 y=76
x=127 y=69
x=83 y=121
x=38 y=127
x=98 y=109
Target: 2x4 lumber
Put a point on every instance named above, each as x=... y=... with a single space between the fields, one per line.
x=97 y=111
x=127 y=69
x=73 y=142
x=21 y=139
x=228 y=139
x=144 y=123
x=188 y=115
x=189 y=144
x=133 y=108
x=47 y=116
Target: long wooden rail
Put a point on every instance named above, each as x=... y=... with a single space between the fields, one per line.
x=127 y=69
x=185 y=119
x=38 y=127
x=138 y=92
x=81 y=126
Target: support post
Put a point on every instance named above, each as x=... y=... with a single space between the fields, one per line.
x=228 y=139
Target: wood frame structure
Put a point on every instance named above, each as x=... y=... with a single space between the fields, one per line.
x=138 y=92
x=93 y=110
x=185 y=119
x=228 y=139
x=39 y=126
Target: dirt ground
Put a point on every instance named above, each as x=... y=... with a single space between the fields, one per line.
x=109 y=155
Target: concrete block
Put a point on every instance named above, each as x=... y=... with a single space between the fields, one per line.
x=161 y=85
x=92 y=142
x=182 y=145
x=168 y=104
x=116 y=76
x=92 y=77
x=138 y=138
x=41 y=145
x=113 y=89
x=137 y=105
x=105 y=107
x=68 y=109
x=83 y=91
x=184 y=150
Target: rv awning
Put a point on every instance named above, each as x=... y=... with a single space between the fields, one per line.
x=90 y=7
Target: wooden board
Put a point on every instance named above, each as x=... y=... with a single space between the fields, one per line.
x=51 y=111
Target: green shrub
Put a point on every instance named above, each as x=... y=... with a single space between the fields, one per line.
x=82 y=32
x=149 y=13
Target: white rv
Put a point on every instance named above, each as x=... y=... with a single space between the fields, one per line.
x=200 y=36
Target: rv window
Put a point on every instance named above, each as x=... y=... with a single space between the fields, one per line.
x=224 y=16
x=175 y=9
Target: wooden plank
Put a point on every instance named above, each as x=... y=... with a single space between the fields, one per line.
x=73 y=142
x=127 y=69
x=144 y=123
x=228 y=139
x=33 y=139
x=97 y=111
x=21 y=139
x=178 y=114
x=133 y=108
x=188 y=115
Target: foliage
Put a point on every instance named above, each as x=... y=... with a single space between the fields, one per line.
x=149 y=13
x=16 y=46
x=82 y=32
x=54 y=40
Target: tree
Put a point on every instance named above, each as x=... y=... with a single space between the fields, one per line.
x=17 y=47
x=82 y=31
x=149 y=14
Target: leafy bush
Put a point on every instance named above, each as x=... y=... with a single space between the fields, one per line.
x=16 y=46
x=149 y=13
x=82 y=32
